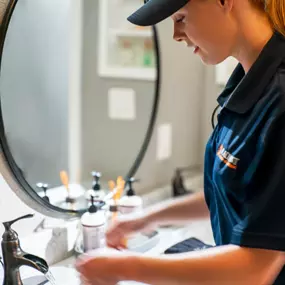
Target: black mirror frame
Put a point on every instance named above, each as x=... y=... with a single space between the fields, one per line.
x=9 y=169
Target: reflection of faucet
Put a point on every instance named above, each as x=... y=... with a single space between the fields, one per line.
x=14 y=257
x=178 y=188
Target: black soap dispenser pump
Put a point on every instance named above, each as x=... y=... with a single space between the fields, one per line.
x=96 y=186
x=92 y=209
x=44 y=187
x=96 y=190
x=130 y=202
x=130 y=190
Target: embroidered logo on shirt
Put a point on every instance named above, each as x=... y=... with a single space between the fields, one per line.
x=227 y=158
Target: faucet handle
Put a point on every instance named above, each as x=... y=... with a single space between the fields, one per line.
x=9 y=233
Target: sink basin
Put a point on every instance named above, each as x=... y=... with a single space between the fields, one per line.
x=63 y=276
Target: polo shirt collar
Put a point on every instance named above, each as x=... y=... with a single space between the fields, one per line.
x=242 y=90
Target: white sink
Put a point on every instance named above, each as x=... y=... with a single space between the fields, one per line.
x=63 y=276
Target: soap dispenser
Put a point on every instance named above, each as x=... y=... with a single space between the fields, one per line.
x=44 y=187
x=130 y=203
x=96 y=190
x=93 y=224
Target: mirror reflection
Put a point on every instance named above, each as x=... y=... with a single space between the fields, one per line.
x=68 y=144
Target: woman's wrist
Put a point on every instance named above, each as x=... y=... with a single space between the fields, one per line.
x=151 y=220
x=127 y=269
x=147 y=270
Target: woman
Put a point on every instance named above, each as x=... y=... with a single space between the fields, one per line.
x=244 y=160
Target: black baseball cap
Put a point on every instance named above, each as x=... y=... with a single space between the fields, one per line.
x=155 y=11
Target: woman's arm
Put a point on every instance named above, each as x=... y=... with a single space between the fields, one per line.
x=180 y=210
x=224 y=265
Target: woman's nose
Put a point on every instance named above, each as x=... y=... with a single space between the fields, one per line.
x=178 y=36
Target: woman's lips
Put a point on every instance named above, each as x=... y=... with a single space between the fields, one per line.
x=196 y=49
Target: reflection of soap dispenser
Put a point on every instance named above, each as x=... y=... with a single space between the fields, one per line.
x=44 y=187
x=130 y=202
x=96 y=190
x=93 y=223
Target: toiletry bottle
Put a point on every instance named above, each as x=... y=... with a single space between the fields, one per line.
x=94 y=225
x=127 y=56
x=130 y=203
x=148 y=58
x=96 y=190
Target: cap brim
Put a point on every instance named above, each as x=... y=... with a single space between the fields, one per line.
x=155 y=11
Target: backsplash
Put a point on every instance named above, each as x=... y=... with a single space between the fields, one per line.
x=194 y=183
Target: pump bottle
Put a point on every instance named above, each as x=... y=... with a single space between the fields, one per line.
x=130 y=203
x=94 y=225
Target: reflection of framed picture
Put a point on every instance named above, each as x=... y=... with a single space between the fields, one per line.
x=124 y=50
x=224 y=70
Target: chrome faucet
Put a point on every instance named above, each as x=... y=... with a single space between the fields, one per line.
x=14 y=257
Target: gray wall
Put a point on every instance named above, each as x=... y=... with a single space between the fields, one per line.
x=182 y=96
x=182 y=105
x=211 y=93
x=34 y=88
x=109 y=146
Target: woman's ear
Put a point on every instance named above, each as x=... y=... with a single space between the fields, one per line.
x=227 y=5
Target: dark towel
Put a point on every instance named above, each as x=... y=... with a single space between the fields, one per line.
x=191 y=244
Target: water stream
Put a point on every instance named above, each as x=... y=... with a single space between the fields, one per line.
x=50 y=278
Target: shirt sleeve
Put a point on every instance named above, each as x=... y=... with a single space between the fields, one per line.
x=264 y=224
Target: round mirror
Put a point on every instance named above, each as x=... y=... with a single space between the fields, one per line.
x=79 y=93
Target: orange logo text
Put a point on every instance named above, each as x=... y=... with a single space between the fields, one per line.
x=227 y=158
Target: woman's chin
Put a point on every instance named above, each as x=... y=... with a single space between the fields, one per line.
x=210 y=61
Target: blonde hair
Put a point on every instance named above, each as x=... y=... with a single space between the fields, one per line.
x=275 y=10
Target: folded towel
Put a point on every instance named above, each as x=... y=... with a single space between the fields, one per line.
x=191 y=244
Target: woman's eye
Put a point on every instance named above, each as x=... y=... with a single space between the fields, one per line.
x=180 y=20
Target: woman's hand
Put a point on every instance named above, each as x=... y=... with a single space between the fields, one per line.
x=102 y=267
x=124 y=227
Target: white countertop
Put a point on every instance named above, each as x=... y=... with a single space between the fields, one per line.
x=65 y=274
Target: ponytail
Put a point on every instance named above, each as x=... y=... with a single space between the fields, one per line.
x=275 y=10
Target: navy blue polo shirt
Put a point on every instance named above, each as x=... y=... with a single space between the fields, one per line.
x=245 y=156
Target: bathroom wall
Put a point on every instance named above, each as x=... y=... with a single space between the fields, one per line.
x=182 y=100
x=182 y=92
x=34 y=86
x=210 y=95
x=109 y=146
